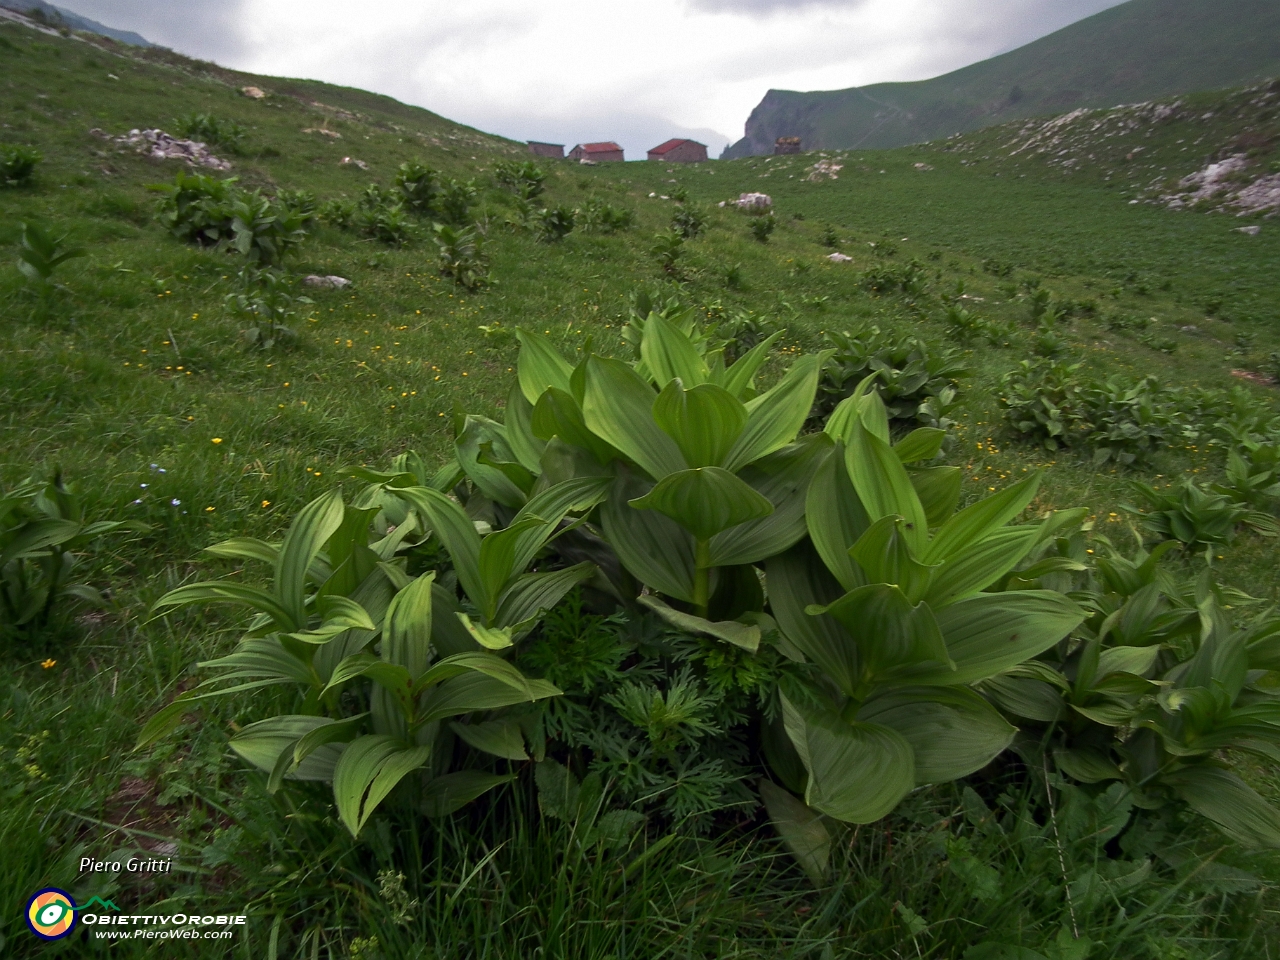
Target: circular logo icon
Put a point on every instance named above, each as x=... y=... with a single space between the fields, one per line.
x=51 y=914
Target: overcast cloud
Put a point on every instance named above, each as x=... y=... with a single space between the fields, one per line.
x=635 y=71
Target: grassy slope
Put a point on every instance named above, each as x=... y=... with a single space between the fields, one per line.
x=1137 y=51
x=143 y=368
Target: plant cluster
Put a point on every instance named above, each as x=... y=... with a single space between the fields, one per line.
x=1153 y=691
x=917 y=384
x=43 y=536
x=1120 y=420
x=265 y=303
x=762 y=226
x=602 y=217
x=813 y=603
x=211 y=130
x=17 y=165
x=525 y=179
x=908 y=279
x=553 y=224
x=199 y=209
x=461 y=256
x=39 y=255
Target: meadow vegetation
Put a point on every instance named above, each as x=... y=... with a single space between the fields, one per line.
x=454 y=555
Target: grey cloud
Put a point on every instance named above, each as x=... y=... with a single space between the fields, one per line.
x=764 y=8
x=208 y=29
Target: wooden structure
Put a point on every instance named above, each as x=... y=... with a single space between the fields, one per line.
x=679 y=151
x=786 y=145
x=596 y=152
x=552 y=151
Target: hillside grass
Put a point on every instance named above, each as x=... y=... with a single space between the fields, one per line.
x=141 y=390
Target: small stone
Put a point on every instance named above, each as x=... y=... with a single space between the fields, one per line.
x=838 y=257
x=1252 y=230
x=328 y=283
x=253 y=93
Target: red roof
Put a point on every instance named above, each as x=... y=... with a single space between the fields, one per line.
x=672 y=144
x=607 y=146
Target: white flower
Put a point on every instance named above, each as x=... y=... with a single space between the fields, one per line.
x=176 y=502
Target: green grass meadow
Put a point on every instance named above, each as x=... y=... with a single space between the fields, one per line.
x=139 y=388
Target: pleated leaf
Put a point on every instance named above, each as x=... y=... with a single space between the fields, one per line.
x=705 y=422
x=705 y=501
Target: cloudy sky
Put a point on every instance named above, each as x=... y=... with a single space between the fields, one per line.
x=635 y=71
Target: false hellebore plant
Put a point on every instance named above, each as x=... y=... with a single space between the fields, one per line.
x=874 y=584
x=343 y=609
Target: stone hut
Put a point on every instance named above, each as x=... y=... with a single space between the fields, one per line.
x=786 y=145
x=552 y=151
x=679 y=151
x=596 y=152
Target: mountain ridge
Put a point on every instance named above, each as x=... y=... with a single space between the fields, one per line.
x=1136 y=51
x=57 y=16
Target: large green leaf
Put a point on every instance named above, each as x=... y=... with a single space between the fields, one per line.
x=797 y=580
x=477 y=691
x=858 y=772
x=744 y=635
x=502 y=738
x=705 y=501
x=306 y=537
x=669 y=354
x=991 y=632
x=952 y=730
x=260 y=657
x=979 y=565
x=579 y=494
x=497 y=558
x=452 y=791
x=892 y=634
x=705 y=422
x=368 y=770
x=885 y=557
x=540 y=366
x=801 y=829
x=262 y=743
x=836 y=518
x=450 y=523
x=525 y=445
x=223 y=591
x=884 y=487
x=939 y=491
x=36 y=535
x=488 y=461
x=781 y=478
x=531 y=594
x=654 y=549
x=776 y=416
x=617 y=406
x=922 y=443
x=1221 y=796
x=739 y=379
x=406 y=631
x=977 y=522
x=558 y=414
x=245 y=548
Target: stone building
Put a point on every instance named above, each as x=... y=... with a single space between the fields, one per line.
x=679 y=151
x=552 y=151
x=786 y=145
x=596 y=152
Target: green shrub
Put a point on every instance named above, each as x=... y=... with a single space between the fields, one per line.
x=43 y=536
x=265 y=304
x=382 y=217
x=908 y=279
x=967 y=328
x=199 y=209
x=461 y=256
x=17 y=165
x=211 y=130
x=454 y=200
x=688 y=221
x=907 y=373
x=1196 y=517
x=524 y=178
x=39 y=255
x=1155 y=693
x=554 y=223
x=597 y=215
x=1122 y=421
x=418 y=186
x=762 y=227
x=667 y=249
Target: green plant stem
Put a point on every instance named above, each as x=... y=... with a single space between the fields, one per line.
x=701 y=577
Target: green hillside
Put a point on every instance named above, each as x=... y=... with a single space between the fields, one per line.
x=200 y=397
x=1133 y=52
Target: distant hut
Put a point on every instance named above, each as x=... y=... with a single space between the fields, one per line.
x=596 y=152
x=552 y=151
x=679 y=151
x=786 y=145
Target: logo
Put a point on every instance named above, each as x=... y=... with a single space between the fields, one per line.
x=51 y=914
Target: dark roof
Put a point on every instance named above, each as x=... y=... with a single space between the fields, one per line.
x=607 y=146
x=543 y=143
x=673 y=143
